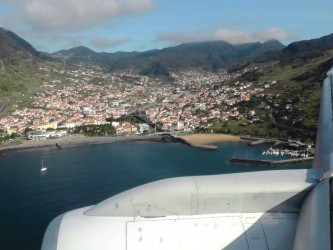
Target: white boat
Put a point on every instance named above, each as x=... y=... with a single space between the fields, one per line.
x=43 y=168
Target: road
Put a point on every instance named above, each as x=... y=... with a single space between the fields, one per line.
x=5 y=104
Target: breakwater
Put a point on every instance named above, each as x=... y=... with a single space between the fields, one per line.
x=188 y=143
x=269 y=162
x=254 y=140
x=258 y=140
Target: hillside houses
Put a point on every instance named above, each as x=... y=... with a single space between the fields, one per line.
x=195 y=101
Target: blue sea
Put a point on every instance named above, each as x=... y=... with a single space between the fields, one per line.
x=85 y=175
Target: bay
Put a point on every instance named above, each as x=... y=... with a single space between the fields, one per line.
x=85 y=175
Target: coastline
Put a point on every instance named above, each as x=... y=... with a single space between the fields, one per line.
x=76 y=140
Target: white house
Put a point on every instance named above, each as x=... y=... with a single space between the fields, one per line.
x=143 y=127
x=38 y=135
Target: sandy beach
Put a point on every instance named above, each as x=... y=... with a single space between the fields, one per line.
x=210 y=138
x=72 y=140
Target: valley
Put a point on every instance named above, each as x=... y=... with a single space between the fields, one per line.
x=258 y=89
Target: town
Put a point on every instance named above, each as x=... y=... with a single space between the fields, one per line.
x=89 y=96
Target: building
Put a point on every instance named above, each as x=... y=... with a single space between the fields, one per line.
x=53 y=125
x=143 y=127
x=57 y=134
x=38 y=135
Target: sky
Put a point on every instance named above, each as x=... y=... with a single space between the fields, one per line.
x=140 y=25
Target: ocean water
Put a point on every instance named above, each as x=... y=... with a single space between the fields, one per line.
x=85 y=175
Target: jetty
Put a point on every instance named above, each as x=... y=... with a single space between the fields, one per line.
x=172 y=138
x=257 y=140
x=253 y=143
x=271 y=162
x=196 y=145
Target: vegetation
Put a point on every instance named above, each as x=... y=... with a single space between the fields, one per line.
x=298 y=83
x=130 y=119
x=93 y=130
x=298 y=70
x=157 y=70
x=209 y=56
x=7 y=137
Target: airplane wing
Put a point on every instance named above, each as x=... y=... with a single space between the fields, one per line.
x=278 y=209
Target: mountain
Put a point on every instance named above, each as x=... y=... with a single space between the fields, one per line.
x=14 y=47
x=297 y=70
x=20 y=70
x=157 y=70
x=207 y=55
x=84 y=56
x=305 y=49
x=302 y=61
x=319 y=44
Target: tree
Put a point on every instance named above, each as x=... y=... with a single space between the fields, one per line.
x=27 y=129
x=14 y=135
x=110 y=119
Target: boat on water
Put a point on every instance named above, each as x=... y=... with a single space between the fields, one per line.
x=43 y=168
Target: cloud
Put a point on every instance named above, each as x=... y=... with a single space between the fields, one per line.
x=69 y=15
x=102 y=43
x=236 y=37
x=228 y=35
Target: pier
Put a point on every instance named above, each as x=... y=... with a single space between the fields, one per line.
x=258 y=140
x=254 y=140
x=271 y=162
x=254 y=143
x=196 y=145
x=191 y=144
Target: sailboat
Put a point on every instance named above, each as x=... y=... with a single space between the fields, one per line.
x=43 y=168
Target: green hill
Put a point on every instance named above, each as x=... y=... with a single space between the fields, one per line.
x=23 y=70
x=210 y=56
x=84 y=56
x=298 y=70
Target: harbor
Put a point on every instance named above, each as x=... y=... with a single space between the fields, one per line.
x=287 y=152
x=258 y=140
x=297 y=151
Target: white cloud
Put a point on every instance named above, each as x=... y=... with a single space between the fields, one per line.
x=75 y=14
x=228 y=35
x=236 y=37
